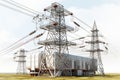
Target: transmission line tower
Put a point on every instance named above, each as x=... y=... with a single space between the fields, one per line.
x=20 y=59
x=55 y=59
x=95 y=51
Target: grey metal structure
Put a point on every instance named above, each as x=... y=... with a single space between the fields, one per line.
x=55 y=59
x=79 y=66
x=95 y=51
x=20 y=58
x=56 y=41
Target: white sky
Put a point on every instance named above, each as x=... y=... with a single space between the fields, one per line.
x=14 y=25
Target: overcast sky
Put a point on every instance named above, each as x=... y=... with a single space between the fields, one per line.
x=14 y=25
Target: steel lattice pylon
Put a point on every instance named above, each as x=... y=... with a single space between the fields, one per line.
x=20 y=59
x=95 y=51
x=55 y=58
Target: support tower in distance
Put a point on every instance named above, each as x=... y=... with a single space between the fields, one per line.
x=20 y=59
x=95 y=51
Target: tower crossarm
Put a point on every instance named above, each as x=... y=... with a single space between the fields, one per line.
x=55 y=5
x=94 y=42
x=53 y=26
x=56 y=43
x=95 y=50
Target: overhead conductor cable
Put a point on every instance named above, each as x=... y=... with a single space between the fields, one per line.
x=11 y=3
x=80 y=26
x=25 y=13
x=19 y=45
x=18 y=41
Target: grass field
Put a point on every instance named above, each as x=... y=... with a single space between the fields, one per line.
x=28 y=77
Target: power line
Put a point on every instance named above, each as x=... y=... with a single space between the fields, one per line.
x=18 y=41
x=83 y=22
x=21 y=44
x=45 y=17
x=16 y=10
x=19 y=6
x=80 y=26
x=25 y=7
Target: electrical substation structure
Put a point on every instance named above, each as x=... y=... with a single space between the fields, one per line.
x=54 y=58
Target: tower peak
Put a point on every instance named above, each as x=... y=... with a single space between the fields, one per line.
x=94 y=26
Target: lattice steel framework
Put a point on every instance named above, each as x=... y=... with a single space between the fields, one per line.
x=20 y=59
x=95 y=51
x=56 y=43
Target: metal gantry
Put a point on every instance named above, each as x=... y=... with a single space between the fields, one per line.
x=56 y=43
x=95 y=51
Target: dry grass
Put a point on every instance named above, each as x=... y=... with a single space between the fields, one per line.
x=28 y=77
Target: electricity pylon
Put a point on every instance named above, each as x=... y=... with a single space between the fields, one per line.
x=95 y=51
x=55 y=58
